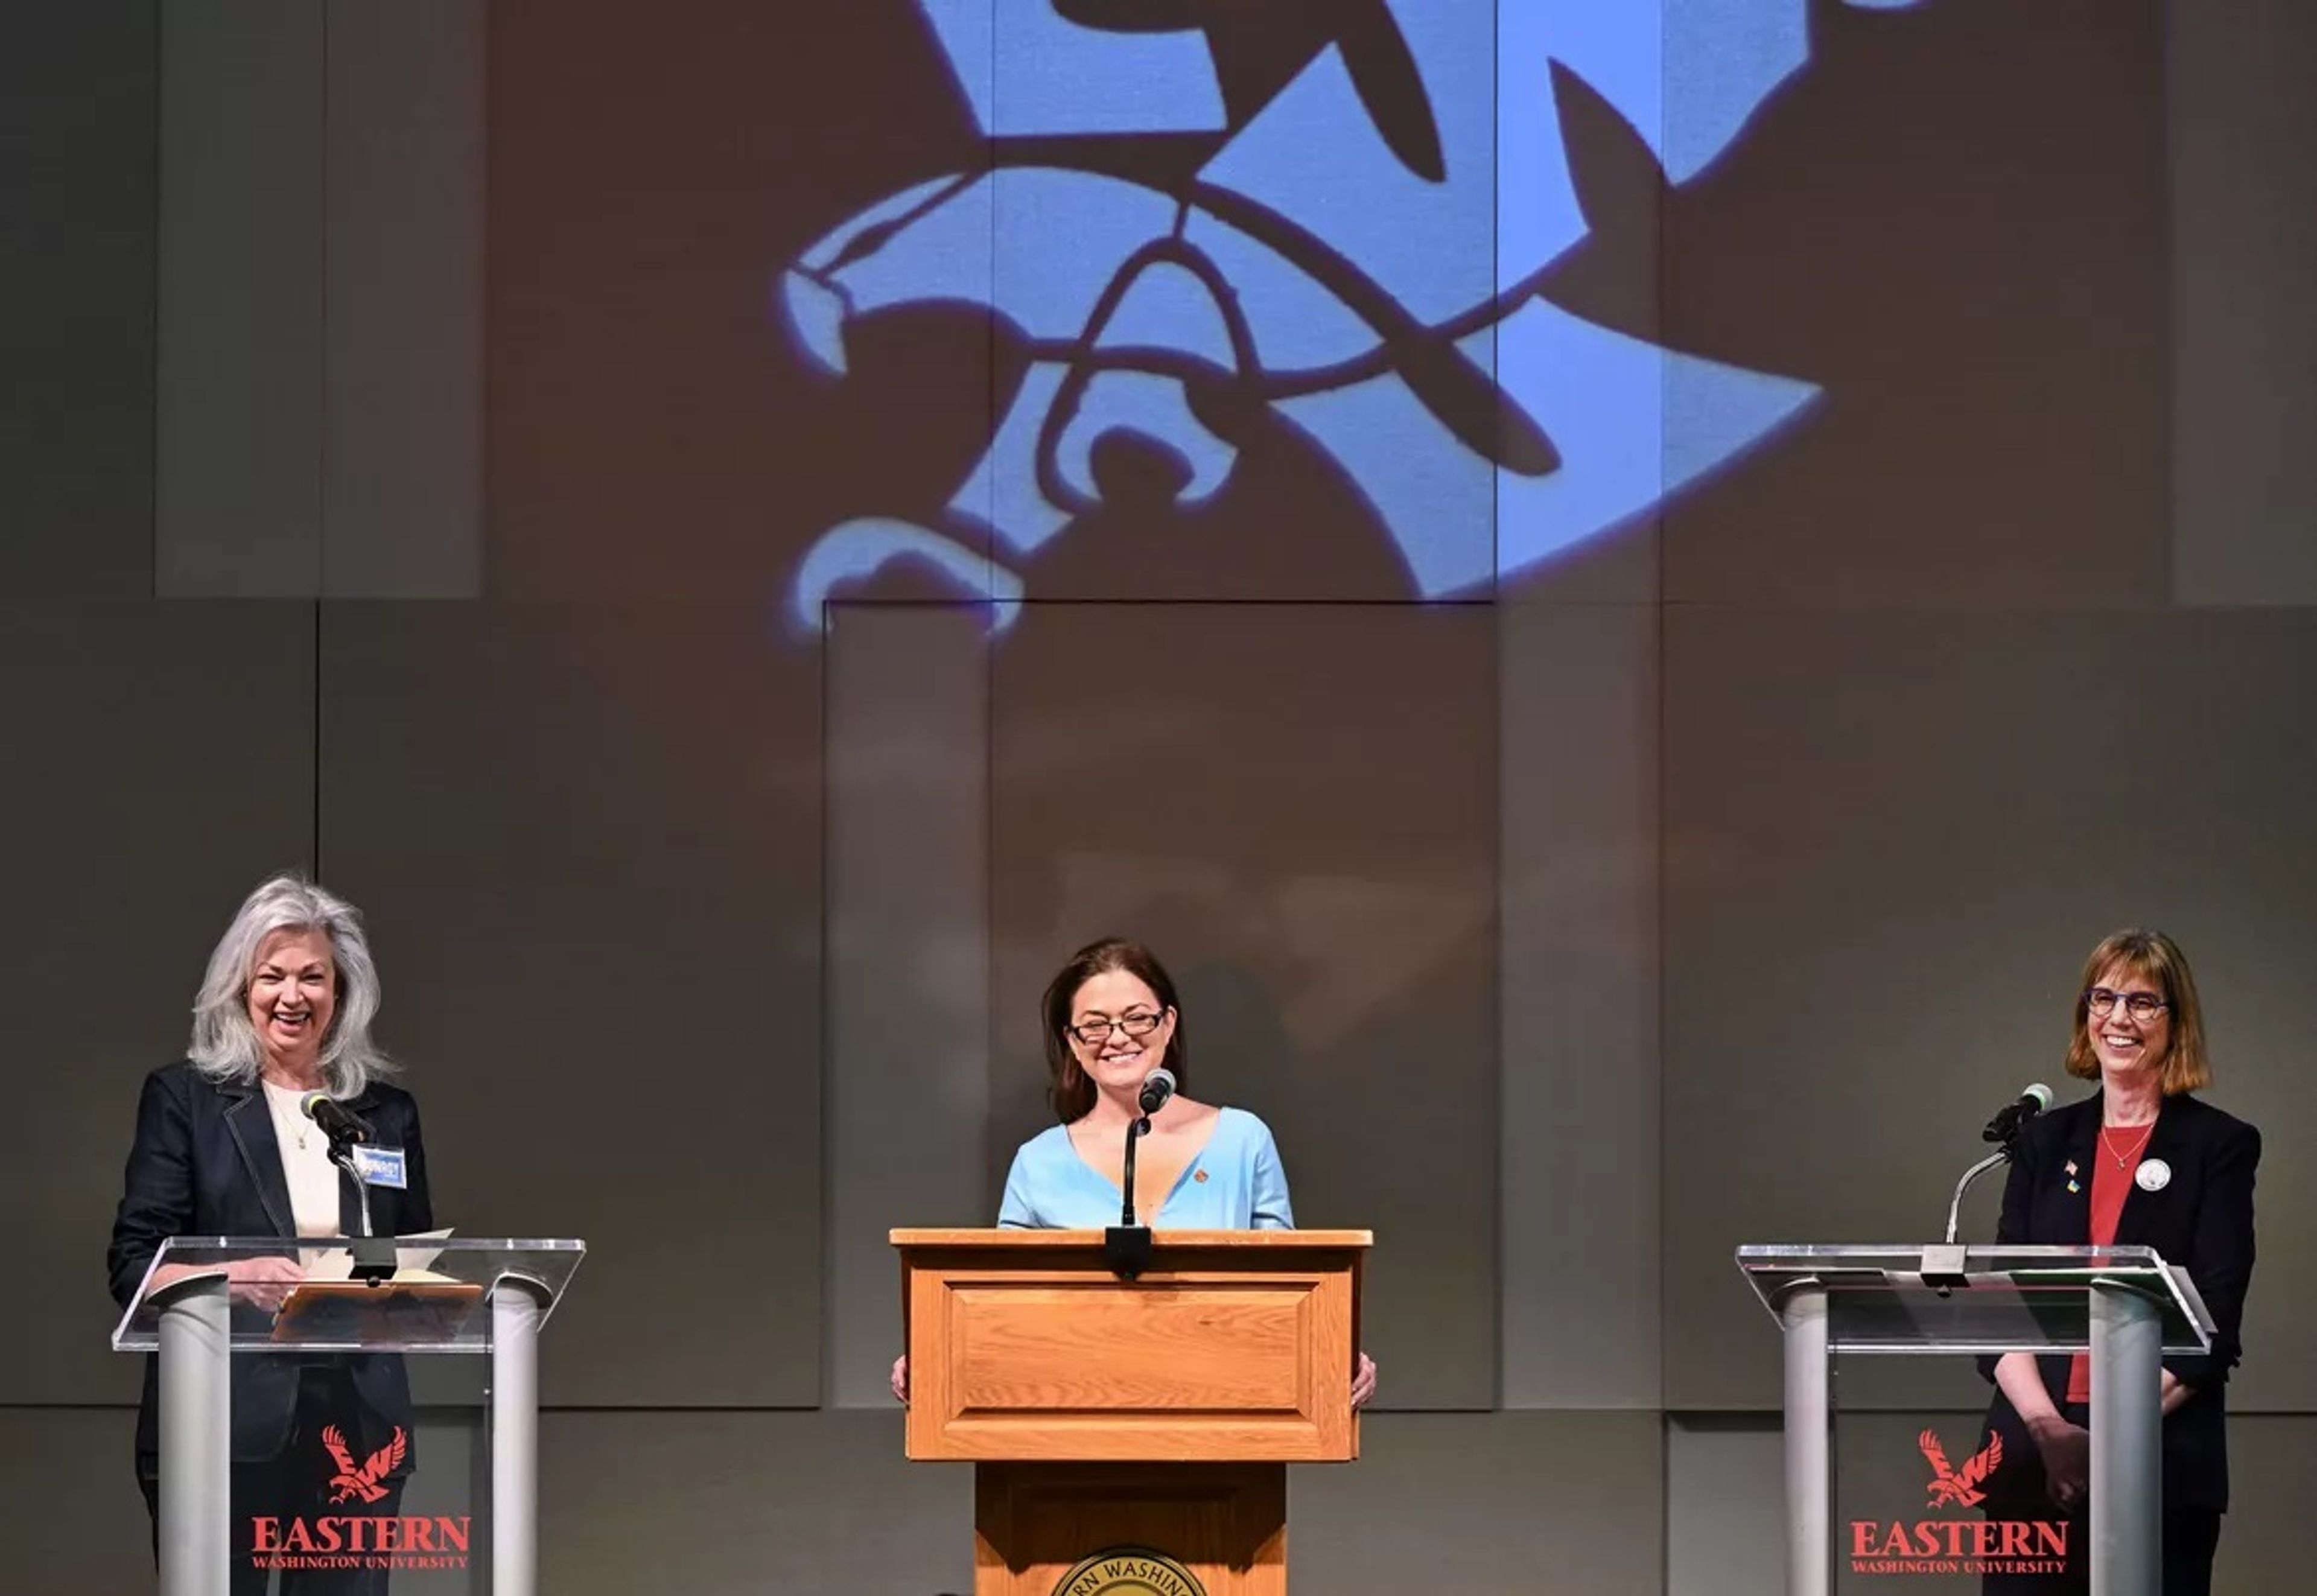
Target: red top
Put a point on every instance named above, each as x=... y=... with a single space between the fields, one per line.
x=2111 y=1184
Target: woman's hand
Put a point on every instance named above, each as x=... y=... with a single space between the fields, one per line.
x=2067 y=1453
x=253 y=1282
x=901 y=1379
x=262 y=1282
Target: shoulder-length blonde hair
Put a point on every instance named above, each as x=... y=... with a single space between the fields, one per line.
x=225 y=1045
x=2156 y=958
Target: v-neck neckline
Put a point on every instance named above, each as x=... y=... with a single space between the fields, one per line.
x=1118 y=1192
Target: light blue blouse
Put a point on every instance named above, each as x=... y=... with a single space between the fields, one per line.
x=1234 y=1183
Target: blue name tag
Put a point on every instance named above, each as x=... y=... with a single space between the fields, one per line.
x=382 y=1166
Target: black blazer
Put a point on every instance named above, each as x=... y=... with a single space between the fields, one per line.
x=2202 y=1219
x=205 y=1163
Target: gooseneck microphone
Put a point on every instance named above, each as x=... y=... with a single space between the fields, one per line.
x=341 y=1124
x=373 y=1260
x=1942 y=1264
x=2015 y=1116
x=1126 y=1245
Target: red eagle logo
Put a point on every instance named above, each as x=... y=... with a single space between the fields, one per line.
x=350 y=1482
x=1950 y=1486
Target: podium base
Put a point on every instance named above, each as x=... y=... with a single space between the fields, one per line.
x=1085 y=1528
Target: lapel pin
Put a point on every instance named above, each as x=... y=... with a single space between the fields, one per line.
x=2154 y=1175
x=2072 y=1166
x=2074 y=1188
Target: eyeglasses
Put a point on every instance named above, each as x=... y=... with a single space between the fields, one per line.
x=1094 y=1032
x=2099 y=1001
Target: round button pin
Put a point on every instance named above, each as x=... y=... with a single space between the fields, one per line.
x=2154 y=1175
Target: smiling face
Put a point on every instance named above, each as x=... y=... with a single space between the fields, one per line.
x=2127 y=1044
x=1109 y=1007
x=293 y=996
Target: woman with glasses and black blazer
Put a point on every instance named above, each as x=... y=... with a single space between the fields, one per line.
x=2141 y=1162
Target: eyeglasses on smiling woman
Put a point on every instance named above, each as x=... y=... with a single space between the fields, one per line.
x=1094 y=1032
x=2100 y=1000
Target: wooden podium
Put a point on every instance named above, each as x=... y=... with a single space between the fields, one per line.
x=1109 y=1419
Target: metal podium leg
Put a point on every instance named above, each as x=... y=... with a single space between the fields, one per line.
x=2127 y=1442
x=196 y=1439
x=515 y=1308
x=1810 y=1453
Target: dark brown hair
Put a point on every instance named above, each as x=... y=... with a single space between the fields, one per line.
x=2152 y=956
x=1072 y=1093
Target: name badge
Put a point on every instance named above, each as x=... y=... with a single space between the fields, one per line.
x=382 y=1166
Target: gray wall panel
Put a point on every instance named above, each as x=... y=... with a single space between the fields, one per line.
x=2244 y=144
x=1954 y=221
x=1724 y=1506
x=70 y=1513
x=403 y=300
x=157 y=762
x=1561 y=1504
x=726 y=1504
x=1891 y=841
x=77 y=110
x=588 y=842
x=2264 y=1538
x=1295 y=807
x=907 y=943
x=240 y=425
x=1579 y=957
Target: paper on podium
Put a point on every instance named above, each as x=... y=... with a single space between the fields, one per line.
x=416 y=1307
x=410 y=1263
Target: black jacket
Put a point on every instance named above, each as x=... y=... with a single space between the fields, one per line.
x=205 y=1163
x=2201 y=1219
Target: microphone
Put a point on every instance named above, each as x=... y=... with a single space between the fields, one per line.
x=1943 y=1262
x=1156 y=1087
x=1126 y=1245
x=341 y=1124
x=2006 y=1125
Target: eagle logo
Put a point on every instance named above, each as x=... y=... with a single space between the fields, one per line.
x=1183 y=238
x=350 y=1482
x=1959 y=1487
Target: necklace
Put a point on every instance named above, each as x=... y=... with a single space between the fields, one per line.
x=293 y=1123
x=2124 y=1159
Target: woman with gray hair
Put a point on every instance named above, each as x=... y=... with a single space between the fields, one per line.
x=227 y=1144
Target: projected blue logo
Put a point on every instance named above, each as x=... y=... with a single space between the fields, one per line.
x=1364 y=254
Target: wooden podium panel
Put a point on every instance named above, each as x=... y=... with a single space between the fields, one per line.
x=1234 y=1346
x=1035 y=1523
x=1131 y=1435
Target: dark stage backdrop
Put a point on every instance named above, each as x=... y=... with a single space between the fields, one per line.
x=1621 y=591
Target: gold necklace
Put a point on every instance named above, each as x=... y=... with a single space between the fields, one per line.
x=2123 y=1160
x=285 y=1123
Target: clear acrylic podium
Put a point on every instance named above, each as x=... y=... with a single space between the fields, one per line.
x=2123 y=1306
x=420 y=1296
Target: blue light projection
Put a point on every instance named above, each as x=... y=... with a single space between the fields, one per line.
x=1363 y=257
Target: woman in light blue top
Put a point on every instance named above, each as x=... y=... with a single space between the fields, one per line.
x=1231 y=1182
x=1111 y=1018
